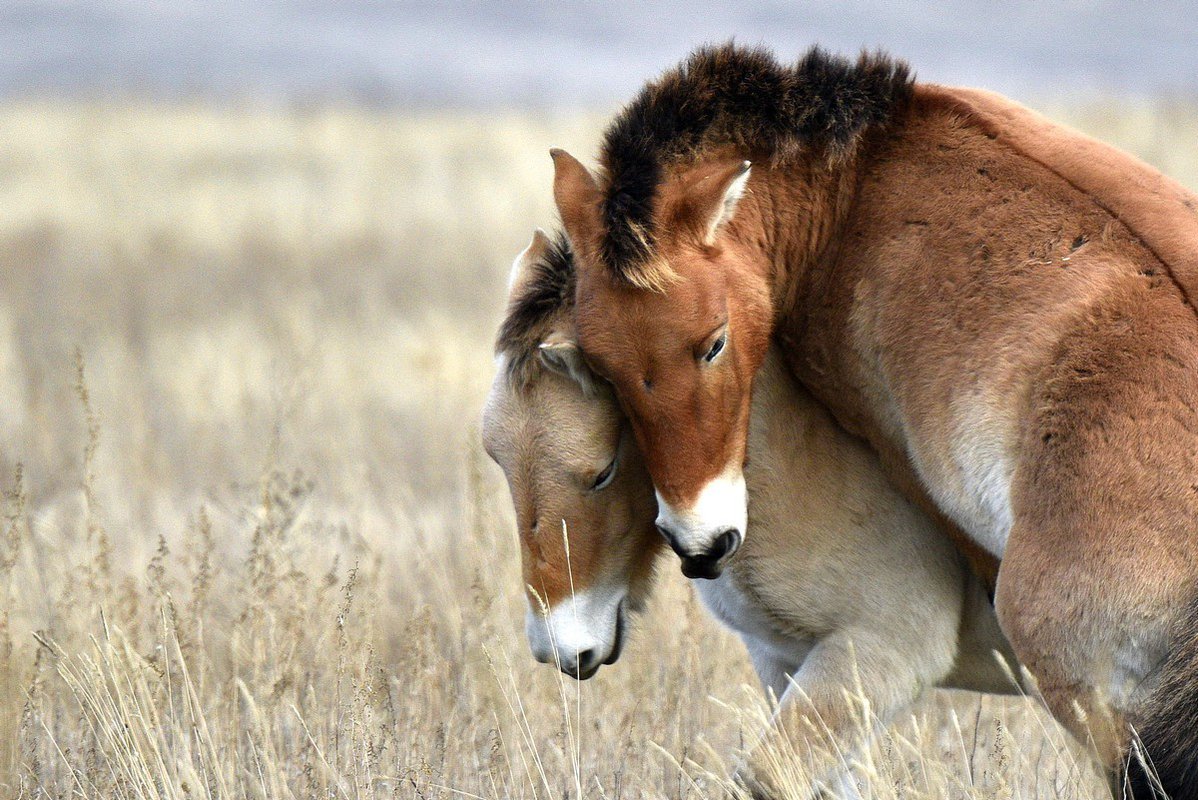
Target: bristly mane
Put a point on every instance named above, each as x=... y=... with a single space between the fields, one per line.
x=739 y=97
x=546 y=294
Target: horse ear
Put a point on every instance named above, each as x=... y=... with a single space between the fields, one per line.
x=711 y=200
x=562 y=356
x=522 y=267
x=577 y=197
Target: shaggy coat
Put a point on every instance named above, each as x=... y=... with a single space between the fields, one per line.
x=1001 y=307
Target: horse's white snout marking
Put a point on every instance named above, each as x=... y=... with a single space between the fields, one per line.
x=710 y=532
x=581 y=633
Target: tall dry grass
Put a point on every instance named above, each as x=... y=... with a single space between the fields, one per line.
x=249 y=546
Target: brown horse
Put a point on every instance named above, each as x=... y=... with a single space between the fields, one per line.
x=845 y=590
x=1002 y=307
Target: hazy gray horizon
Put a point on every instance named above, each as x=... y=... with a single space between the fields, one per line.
x=567 y=54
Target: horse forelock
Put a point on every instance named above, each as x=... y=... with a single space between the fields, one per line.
x=732 y=97
x=534 y=308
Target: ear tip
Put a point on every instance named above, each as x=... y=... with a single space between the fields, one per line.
x=554 y=152
x=536 y=246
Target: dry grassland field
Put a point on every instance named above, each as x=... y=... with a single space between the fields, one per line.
x=250 y=546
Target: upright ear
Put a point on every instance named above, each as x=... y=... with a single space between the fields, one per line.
x=709 y=200
x=577 y=197
x=522 y=266
x=561 y=354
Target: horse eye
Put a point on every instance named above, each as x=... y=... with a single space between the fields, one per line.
x=605 y=477
x=716 y=348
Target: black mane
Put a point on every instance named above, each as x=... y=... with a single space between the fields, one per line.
x=546 y=294
x=742 y=97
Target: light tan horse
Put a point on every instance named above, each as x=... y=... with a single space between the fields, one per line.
x=844 y=585
x=1002 y=307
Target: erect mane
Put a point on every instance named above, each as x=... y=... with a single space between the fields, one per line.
x=544 y=296
x=742 y=98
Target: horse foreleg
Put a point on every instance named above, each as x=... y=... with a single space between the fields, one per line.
x=851 y=685
x=772 y=670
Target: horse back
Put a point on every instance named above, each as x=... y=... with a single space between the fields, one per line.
x=981 y=240
x=1159 y=211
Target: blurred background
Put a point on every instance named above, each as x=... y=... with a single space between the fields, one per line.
x=252 y=255
x=565 y=54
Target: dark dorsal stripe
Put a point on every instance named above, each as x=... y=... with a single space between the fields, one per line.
x=742 y=97
x=546 y=293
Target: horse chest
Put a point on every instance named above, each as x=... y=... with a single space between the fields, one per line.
x=727 y=600
x=968 y=471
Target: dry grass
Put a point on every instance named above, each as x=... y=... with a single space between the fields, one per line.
x=249 y=547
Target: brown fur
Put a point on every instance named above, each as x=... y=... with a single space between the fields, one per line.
x=1002 y=308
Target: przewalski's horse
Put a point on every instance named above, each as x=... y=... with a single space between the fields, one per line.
x=844 y=585
x=1002 y=307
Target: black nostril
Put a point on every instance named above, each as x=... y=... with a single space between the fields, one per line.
x=701 y=567
x=710 y=564
x=585 y=665
x=724 y=545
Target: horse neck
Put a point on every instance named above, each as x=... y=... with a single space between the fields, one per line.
x=793 y=219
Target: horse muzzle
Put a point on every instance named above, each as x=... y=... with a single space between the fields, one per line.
x=578 y=637
x=710 y=528
x=710 y=565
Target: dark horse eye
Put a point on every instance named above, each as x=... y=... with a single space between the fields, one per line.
x=716 y=348
x=604 y=477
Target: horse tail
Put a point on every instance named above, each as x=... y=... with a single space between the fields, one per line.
x=1167 y=724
